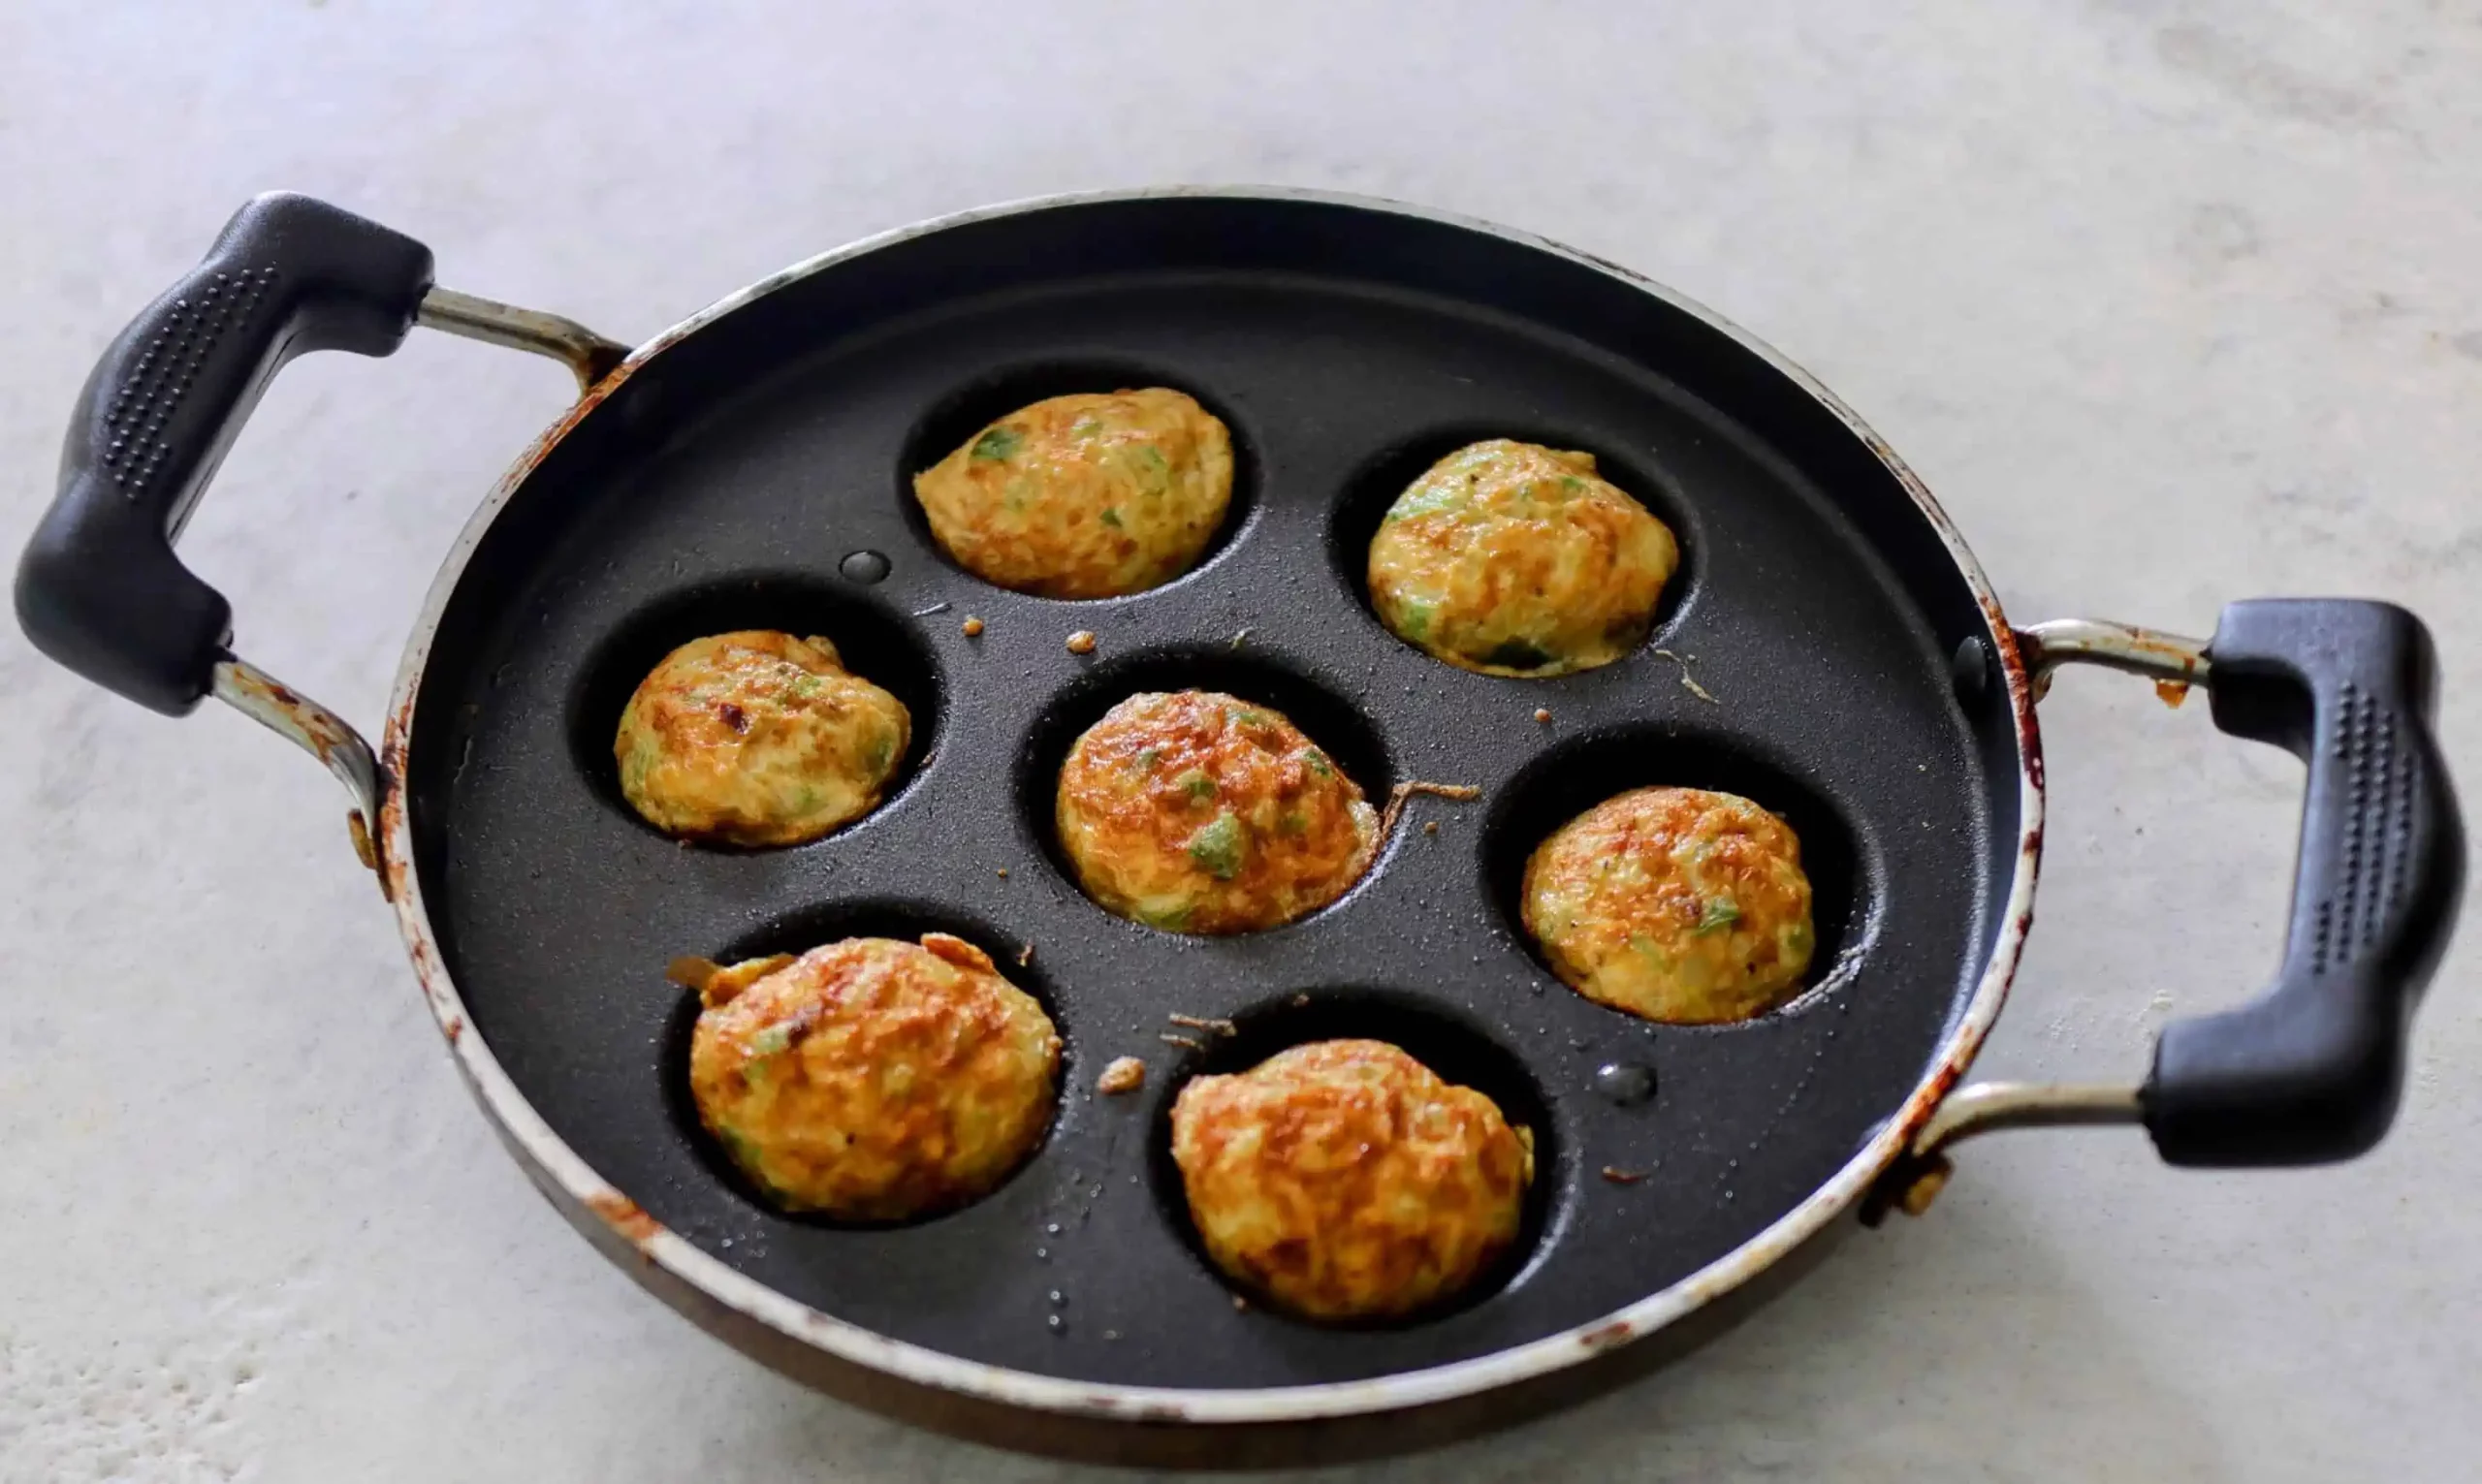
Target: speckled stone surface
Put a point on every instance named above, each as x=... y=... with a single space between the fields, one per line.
x=2170 y=303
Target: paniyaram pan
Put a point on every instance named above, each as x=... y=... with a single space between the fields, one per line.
x=748 y=467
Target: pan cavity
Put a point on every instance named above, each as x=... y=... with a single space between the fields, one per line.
x=1459 y=1050
x=957 y=417
x=797 y=932
x=871 y=640
x=1371 y=490
x=1341 y=737
x=1569 y=779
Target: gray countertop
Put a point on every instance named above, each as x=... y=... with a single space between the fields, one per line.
x=2169 y=304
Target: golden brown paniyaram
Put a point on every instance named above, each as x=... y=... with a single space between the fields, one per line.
x=756 y=738
x=1091 y=495
x=1344 y=1180
x=1516 y=559
x=1196 y=811
x=869 y=1079
x=1676 y=904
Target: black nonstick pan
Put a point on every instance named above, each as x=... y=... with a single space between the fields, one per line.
x=1829 y=649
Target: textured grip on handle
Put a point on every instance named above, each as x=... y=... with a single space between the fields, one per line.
x=2310 y=1072
x=99 y=588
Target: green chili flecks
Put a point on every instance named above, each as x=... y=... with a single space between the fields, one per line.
x=1218 y=847
x=1720 y=913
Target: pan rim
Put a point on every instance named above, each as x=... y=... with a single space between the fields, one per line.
x=582 y=1194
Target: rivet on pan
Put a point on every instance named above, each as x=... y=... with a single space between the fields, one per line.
x=865 y=567
x=1924 y=1186
x=1969 y=670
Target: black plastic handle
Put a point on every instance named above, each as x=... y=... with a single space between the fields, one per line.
x=99 y=588
x=2310 y=1070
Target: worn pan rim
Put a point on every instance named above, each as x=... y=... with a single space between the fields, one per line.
x=564 y=1176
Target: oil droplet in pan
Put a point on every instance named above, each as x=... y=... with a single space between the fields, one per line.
x=1624 y=1083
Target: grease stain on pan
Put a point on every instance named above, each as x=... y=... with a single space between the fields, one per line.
x=324 y=736
x=2014 y=671
x=392 y=823
x=395 y=878
x=624 y=1216
x=310 y=724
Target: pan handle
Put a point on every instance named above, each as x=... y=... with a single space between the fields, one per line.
x=2310 y=1070
x=100 y=588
